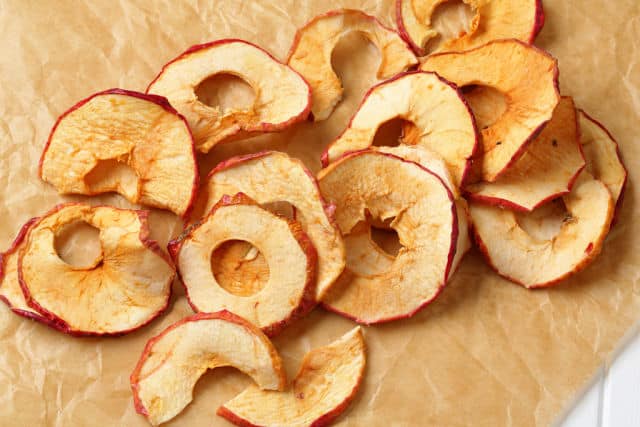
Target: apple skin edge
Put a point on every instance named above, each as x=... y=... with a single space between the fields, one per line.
x=539 y=22
x=221 y=315
x=452 y=250
x=324 y=158
x=156 y=99
x=308 y=299
x=262 y=127
x=56 y=322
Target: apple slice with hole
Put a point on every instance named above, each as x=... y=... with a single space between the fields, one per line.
x=10 y=290
x=124 y=288
x=543 y=247
x=492 y=20
x=440 y=120
x=313 y=44
x=547 y=170
x=604 y=161
x=290 y=290
x=383 y=186
x=173 y=361
x=272 y=176
x=118 y=140
x=327 y=382
x=283 y=97
x=525 y=76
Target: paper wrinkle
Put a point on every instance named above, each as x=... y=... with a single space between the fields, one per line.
x=485 y=353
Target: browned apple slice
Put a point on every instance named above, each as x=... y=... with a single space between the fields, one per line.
x=290 y=289
x=441 y=119
x=313 y=44
x=526 y=76
x=269 y=177
x=282 y=97
x=10 y=290
x=173 y=361
x=541 y=248
x=123 y=141
x=327 y=382
x=492 y=20
x=123 y=289
x=604 y=161
x=383 y=186
x=547 y=169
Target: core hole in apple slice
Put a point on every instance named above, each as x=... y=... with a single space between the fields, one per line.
x=239 y=268
x=78 y=244
x=113 y=173
x=392 y=132
x=545 y=222
x=387 y=240
x=226 y=91
x=488 y=104
x=450 y=19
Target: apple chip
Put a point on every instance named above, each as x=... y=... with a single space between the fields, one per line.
x=282 y=96
x=328 y=380
x=290 y=290
x=492 y=20
x=123 y=141
x=383 y=186
x=541 y=248
x=603 y=156
x=123 y=289
x=526 y=76
x=547 y=169
x=441 y=119
x=10 y=290
x=313 y=44
x=173 y=361
x=269 y=177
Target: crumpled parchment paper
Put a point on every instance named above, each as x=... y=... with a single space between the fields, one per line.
x=486 y=353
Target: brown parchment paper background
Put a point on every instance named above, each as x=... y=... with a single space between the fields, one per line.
x=486 y=353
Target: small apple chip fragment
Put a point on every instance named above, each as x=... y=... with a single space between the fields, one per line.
x=123 y=141
x=124 y=288
x=328 y=380
x=290 y=290
x=173 y=361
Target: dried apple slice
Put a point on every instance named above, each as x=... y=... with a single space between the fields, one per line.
x=425 y=218
x=604 y=161
x=541 y=248
x=528 y=79
x=442 y=121
x=290 y=290
x=123 y=141
x=173 y=361
x=313 y=44
x=282 y=96
x=269 y=177
x=547 y=170
x=10 y=290
x=126 y=287
x=492 y=20
x=327 y=382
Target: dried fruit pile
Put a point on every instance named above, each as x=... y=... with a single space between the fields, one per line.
x=488 y=145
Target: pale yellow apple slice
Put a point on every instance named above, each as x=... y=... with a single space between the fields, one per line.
x=327 y=382
x=424 y=216
x=547 y=170
x=290 y=289
x=10 y=290
x=123 y=141
x=604 y=161
x=528 y=79
x=539 y=249
x=173 y=361
x=492 y=20
x=269 y=177
x=441 y=119
x=282 y=97
x=313 y=44
x=123 y=289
